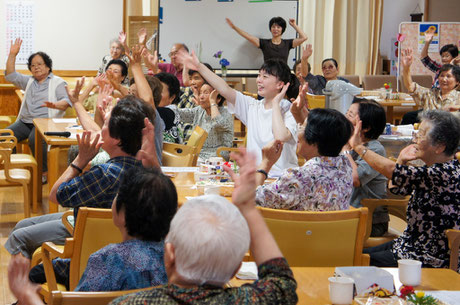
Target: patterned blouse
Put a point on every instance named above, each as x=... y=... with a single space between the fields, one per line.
x=186 y=98
x=434 y=207
x=219 y=129
x=276 y=285
x=431 y=99
x=321 y=184
x=128 y=265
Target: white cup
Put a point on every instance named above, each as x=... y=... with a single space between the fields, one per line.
x=341 y=290
x=212 y=190
x=410 y=272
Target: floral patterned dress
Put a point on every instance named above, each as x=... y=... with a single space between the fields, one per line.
x=321 y=184
x=433 y=208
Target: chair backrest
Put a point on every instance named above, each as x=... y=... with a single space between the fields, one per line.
x=319 y=238
x=94 y=229
x=396 y=207
x=87 y=298
x=424 y=80
x=197 y=139
x=316 y=101
x=7 y=143
x=371 y=82
x=177 y=155
x=354 y=79
x=454 y=244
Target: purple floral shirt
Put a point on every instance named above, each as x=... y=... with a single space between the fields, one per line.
x=321 y=184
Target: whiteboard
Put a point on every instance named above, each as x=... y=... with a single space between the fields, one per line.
x=202 y=23
x=75 y=34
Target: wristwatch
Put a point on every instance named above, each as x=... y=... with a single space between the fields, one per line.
x=347 y=152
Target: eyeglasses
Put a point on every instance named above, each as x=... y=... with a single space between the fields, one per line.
x=171 y=54
x=37 y=65
x=417 y=136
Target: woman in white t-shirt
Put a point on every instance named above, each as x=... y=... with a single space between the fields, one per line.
x=266 y=120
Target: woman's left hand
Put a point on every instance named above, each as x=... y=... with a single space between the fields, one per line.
x=213 y=97
x=292 y=22
x=271 y=153
x=282 y=93
x=407 y=154
x=356 y=139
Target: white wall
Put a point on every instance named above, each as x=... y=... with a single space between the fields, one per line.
x=395 y=12
x=75 y=34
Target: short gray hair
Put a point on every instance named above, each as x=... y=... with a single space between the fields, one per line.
x=445 y=129
x=115 y=40
x=210 y=238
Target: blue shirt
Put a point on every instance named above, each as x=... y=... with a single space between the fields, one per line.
x=96 y=188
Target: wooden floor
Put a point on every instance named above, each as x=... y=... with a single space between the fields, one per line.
x=11 y=211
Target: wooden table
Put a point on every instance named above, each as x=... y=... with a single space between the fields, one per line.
x=57 y=153
x=313 y=284
x=390 y=104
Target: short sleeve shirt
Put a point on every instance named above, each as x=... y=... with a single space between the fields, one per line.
x=271 y=50
x=258 y=120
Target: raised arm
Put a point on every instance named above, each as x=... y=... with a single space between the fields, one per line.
x=407 y=59
x=263 y=245
x=252 y=39
x=14 y=50
x=143 y=89
x=306 y=53
x=122 y=40
x=186 y=77
x=85 y=120
x=279 y=129
x=428 y=39
x=299 y=108
x=192 y=62
x=302 y=36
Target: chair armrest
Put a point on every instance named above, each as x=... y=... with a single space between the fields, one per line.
x=65 y=220
x=365 y=259
x=50 y=251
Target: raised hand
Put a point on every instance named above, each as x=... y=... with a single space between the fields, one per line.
x=16 y=46
x=230 y=23
x=142 y=35
x=292 y=22
x=299 y=107
x=213 y=97
x=429 y=35
x=455 y=61
x=136 y=54
x=282 y=93
x=307 y=51
x=88 y=149
x=356 y=138
x=407 y=58
x=122 y=40
x=243 y=195
x=147 y=154
x=272 y=152
x=150 y=60
x=189 y=60
x=104 y=100
x=18 y=279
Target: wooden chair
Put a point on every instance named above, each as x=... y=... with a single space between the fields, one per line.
x=396 y=207
x=253 y=95
x=177 y=155
x=94 y=229
x=229 y=149
x=10 y=176
x=353 y=79
x=316 y=101
x=424 y=80
x=197 y=139
x=25 y=161
x=372 y=82
x=88 y=298
x=454 y=244
x=319 y=239
x=5 y=121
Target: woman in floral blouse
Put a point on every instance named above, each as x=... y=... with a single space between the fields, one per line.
x=213 y=117
x=434 y=189
x=325 y=181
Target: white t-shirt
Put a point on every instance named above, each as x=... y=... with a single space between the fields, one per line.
x=258 y=120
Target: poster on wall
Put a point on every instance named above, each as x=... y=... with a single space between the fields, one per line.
x=20 y=16
x=429 y=29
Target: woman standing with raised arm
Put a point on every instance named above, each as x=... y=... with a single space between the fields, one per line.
x=276 y=47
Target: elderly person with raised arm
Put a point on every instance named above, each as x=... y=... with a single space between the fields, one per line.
x=330 y=69
x=446 y=97
x=175 y=67
x=45 y=95
x=434 y=188
x=207 y=240
x=275 y=47
x=117 y=52
x=324 y=182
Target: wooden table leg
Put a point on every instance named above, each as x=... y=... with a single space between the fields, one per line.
x=57 y=164
x=390 y=114
x=39 y=159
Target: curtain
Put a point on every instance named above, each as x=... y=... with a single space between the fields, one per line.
x=347 y=30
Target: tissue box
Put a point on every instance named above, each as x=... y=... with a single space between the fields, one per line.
x=365 y=277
